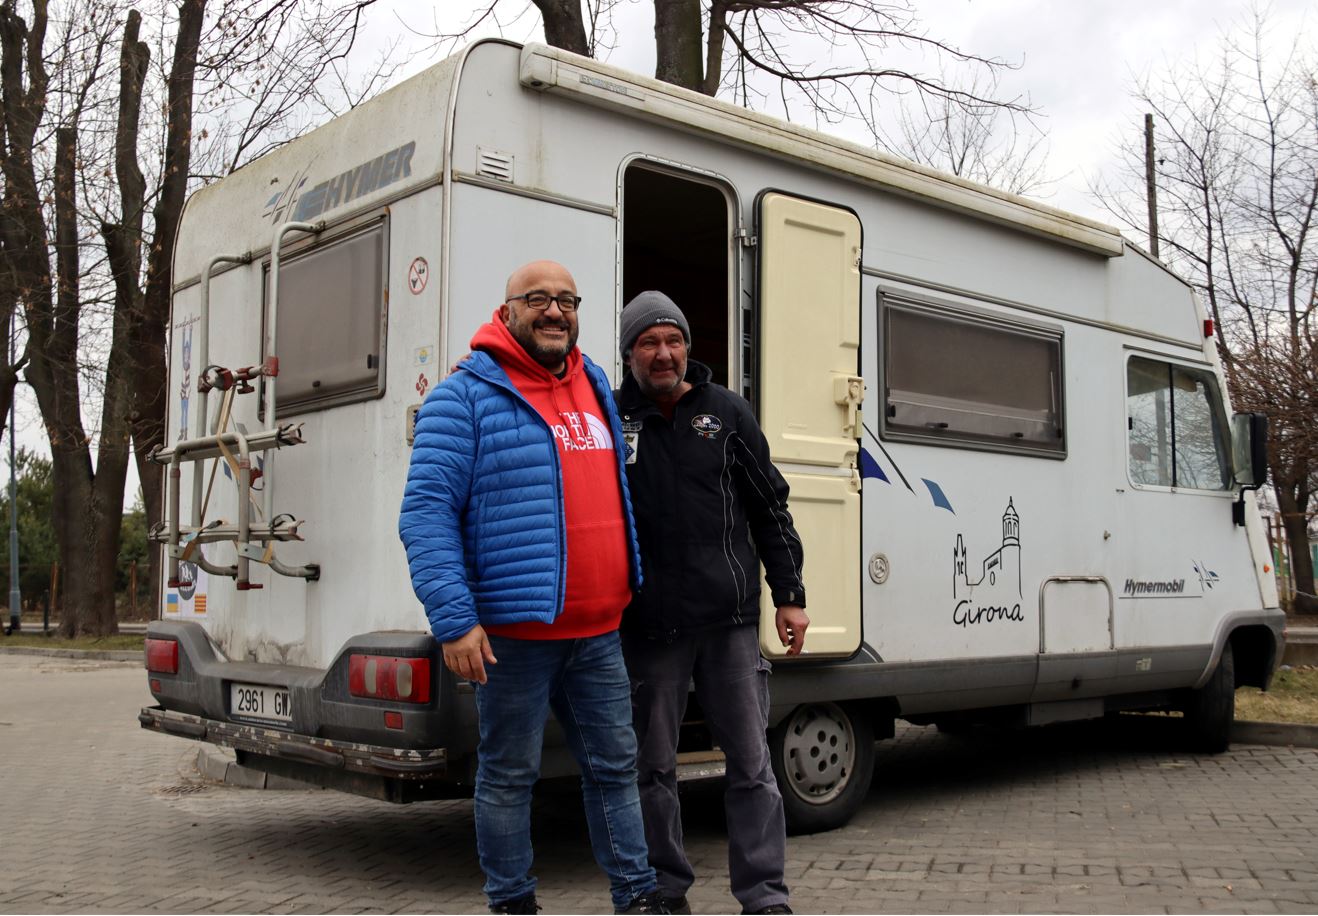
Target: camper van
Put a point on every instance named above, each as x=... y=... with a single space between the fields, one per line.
x=1022 y=493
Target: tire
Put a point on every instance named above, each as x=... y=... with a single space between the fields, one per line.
x=1212 y=708
x=823 y=758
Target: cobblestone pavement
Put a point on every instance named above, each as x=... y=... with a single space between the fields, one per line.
x=101 y=816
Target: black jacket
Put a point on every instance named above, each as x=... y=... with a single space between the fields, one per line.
x=709 y=506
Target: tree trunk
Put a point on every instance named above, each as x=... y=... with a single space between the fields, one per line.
x=1294 y=518
x=148 y=338
x=564 y=27
x=718 y=21
x=678 y=43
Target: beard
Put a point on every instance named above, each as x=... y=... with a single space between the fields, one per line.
x=652 y=389
x=547 y=353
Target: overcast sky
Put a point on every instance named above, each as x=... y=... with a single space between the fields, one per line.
x=1077 y=58
x=1077 y=61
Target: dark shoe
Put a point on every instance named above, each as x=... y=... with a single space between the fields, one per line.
x=676 y=904
x=646 y=903
x=771 y=908
x=525 y=904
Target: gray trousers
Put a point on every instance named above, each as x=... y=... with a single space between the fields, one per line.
x=732 y=686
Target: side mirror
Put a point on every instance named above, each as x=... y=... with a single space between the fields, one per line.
x=1249 y=439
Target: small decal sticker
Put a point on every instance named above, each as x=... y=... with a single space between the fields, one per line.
x=631 y=441
x=417 y=275
x=423 y=356
x=185 y=389
x=706 y=425
x=422 y=384
x=1207 y=577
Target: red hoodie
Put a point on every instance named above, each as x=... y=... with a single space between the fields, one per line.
x=598 y=585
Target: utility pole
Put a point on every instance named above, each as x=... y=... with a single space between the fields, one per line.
x=15 y=593
x=1151 y=186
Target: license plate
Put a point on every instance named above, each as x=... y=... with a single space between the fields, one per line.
x=260 y=701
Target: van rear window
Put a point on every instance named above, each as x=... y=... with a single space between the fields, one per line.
x=329 y=334
x=965 y=379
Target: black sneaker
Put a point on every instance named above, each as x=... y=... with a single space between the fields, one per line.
x=521 y=905
x=646 y=903
x=676 y=904
x=772 y=908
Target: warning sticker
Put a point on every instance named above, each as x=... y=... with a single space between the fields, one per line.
x=417 y=275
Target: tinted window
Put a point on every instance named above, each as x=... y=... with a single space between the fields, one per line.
x=1174 y=419
x=328 y=334
x=968 y=380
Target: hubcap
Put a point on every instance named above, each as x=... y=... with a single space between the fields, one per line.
x=819 y=750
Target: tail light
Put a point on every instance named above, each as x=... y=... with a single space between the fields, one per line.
x=382 y=677
x=162 y=656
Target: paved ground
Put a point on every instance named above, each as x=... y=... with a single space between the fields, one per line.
x=97 y=815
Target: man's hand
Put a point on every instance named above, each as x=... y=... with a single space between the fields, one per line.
x=466 y=656
x=792 y=622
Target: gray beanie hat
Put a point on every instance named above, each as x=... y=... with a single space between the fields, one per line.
x=646 y=310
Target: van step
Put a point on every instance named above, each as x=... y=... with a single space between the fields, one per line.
x=696 y=765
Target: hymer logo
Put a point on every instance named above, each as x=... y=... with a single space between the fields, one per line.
x=1139 y=588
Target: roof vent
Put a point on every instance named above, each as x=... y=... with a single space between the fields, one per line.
x=491 y=163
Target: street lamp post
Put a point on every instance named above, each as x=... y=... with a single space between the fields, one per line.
x=15 y=594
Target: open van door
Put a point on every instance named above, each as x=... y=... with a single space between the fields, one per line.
x=810 y=392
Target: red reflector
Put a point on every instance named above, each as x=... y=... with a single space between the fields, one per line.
x=393 y=720
x=155 y=685
x=384 y=677
x=1208 y=327
x=162 y=656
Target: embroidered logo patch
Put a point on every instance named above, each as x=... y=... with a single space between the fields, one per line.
x=706 y=425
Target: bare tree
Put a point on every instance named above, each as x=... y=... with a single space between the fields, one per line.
x=86 y=236
x=1237 y=174
x=994 y=146
x=826 y=55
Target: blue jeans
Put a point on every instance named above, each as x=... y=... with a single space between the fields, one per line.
x=585 y=683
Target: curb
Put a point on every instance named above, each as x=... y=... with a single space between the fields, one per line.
x=1277 y=734
x=217 y=764
x=105 y=655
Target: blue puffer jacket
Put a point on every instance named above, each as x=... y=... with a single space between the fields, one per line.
x=482 y=515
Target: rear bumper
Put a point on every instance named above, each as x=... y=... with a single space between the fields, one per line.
x=388 y=773
x=332 y=734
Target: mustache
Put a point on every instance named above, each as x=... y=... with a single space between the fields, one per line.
x=551 y=323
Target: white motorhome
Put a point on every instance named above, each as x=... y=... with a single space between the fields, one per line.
x=1021 y=493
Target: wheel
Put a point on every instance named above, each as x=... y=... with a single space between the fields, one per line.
x=823 y=758
x=1212 y=708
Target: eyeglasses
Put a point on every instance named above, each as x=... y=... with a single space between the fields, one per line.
x=540 y=301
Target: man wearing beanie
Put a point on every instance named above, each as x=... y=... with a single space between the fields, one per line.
x=521 y=547
x=710 y=507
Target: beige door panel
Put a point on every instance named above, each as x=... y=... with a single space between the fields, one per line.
x=809 y=263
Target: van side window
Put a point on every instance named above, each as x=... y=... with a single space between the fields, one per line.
x=1175 y=425
x=329 y=324
x=965 y=379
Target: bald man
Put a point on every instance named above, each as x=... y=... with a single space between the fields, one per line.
x=519 y=536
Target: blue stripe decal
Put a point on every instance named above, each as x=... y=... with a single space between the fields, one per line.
x=870 y=468
x=940 y=498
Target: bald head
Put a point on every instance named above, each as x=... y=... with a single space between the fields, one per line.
x=535 y=274
x=549 y=334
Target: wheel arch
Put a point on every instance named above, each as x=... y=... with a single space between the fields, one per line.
x=1255 y=649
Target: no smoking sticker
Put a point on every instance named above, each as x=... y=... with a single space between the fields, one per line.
x=417 y=275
